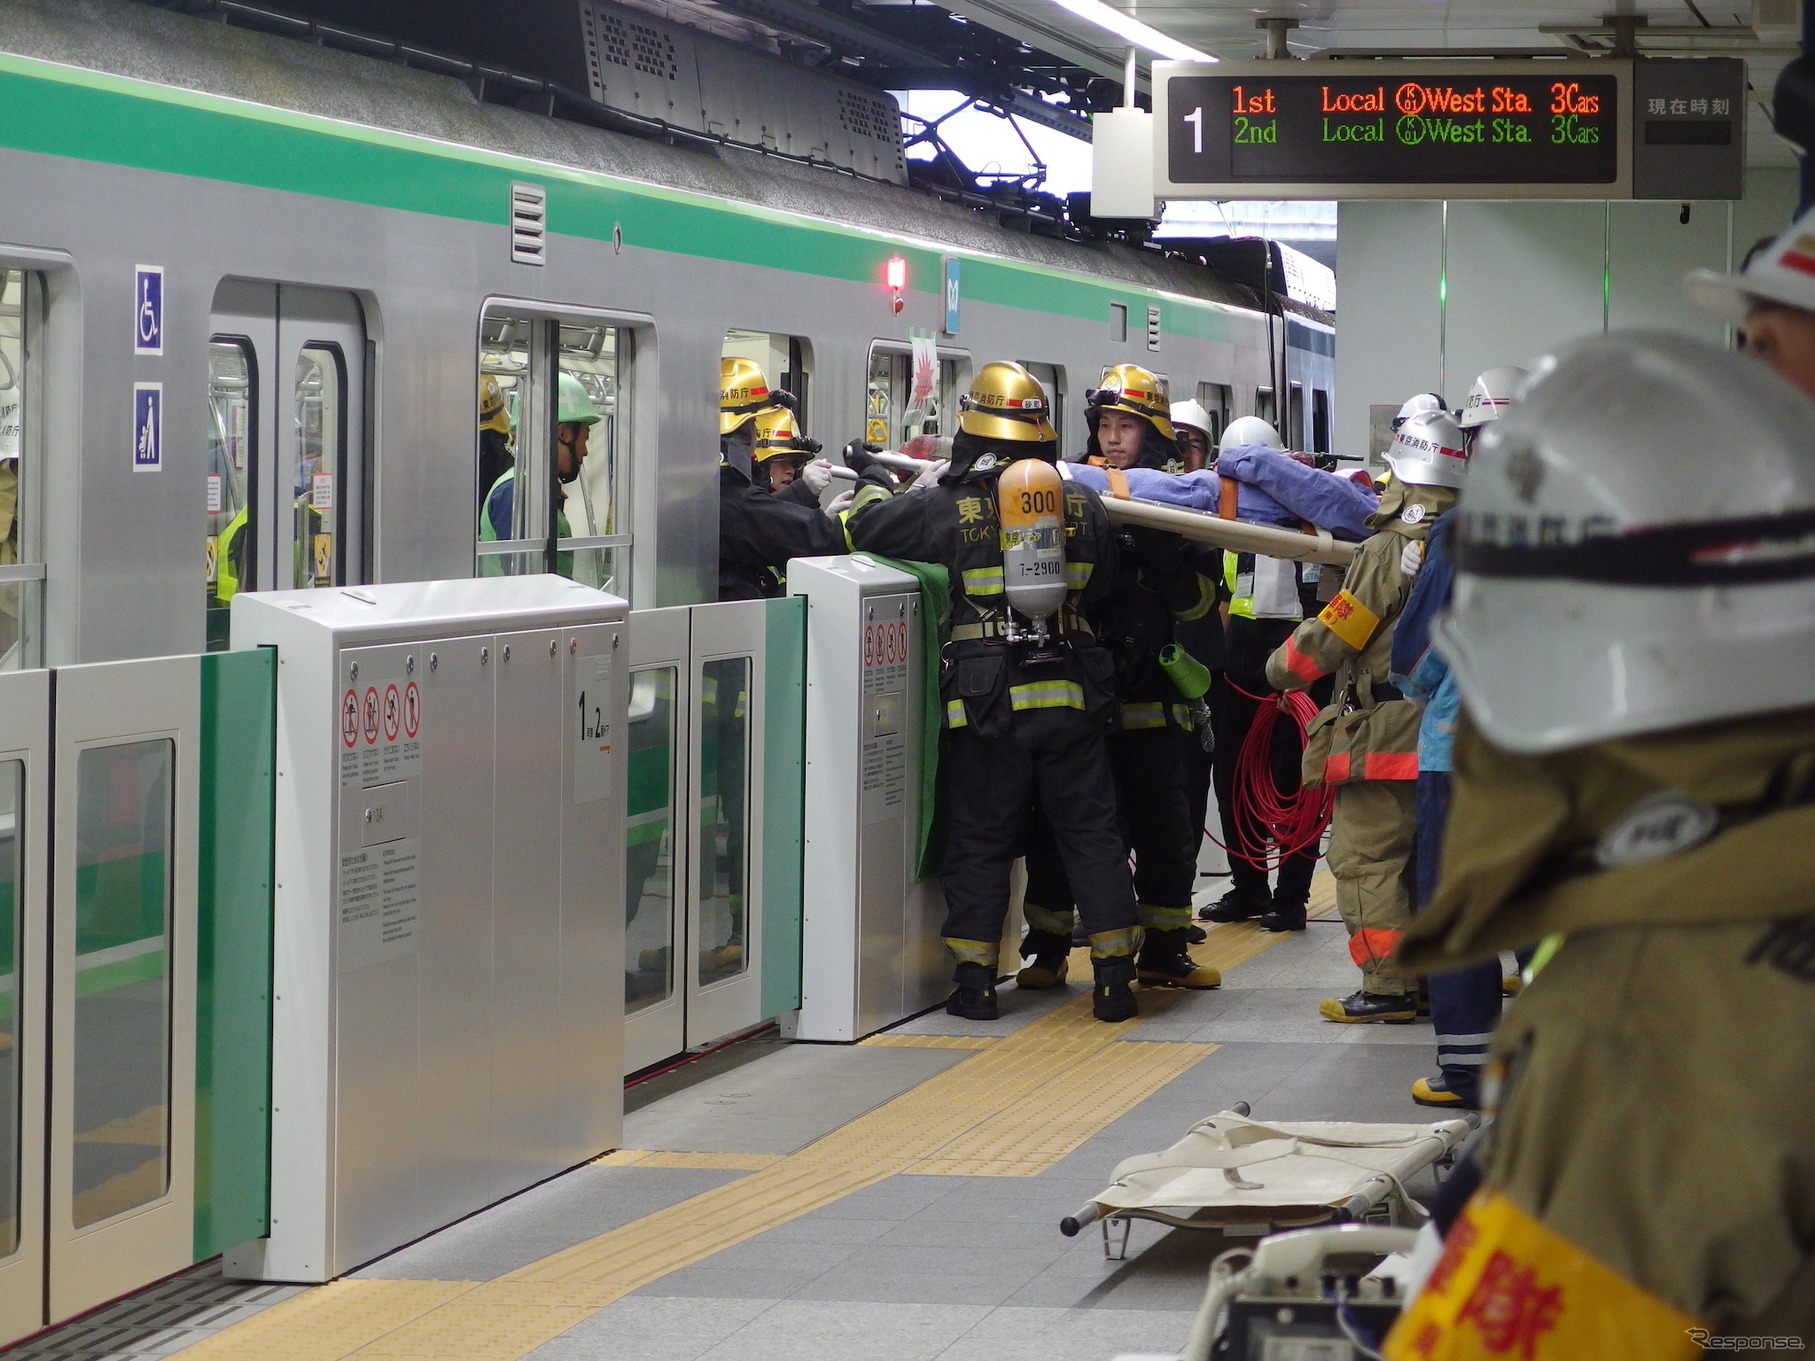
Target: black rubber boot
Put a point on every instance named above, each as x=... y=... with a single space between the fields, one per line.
x=1048 y=956
x=975 y=996
x=1360 y=1007
x=1165 y=962
x=1111 y=999
x=1286 y=914
x=1235 y=906
x=1446 y=1090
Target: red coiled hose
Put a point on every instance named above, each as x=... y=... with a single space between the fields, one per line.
x=1263 y=816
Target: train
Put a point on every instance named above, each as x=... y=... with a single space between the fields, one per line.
x=249 y=286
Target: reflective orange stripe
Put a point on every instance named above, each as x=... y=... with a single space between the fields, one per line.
x=1373 y=942
x=1392 y=765
x=1508 y=1287
x=1301 y=665
x=1336 y=768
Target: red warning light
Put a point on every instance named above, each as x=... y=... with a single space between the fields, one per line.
x=897 y=273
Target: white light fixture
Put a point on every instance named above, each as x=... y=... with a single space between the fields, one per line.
x=1132 y=30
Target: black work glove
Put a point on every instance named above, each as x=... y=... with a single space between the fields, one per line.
x=857 y=459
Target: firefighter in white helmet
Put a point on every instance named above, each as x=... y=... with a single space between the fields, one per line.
x=1771 y=300
x=1633 y=639
x=1196 y=430
x=1246 y=430
x=1365 y=741
x=1489 y=396
x=1418 y=404
x=1027 y=699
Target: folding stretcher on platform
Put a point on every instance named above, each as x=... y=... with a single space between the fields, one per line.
x=1244 y=1177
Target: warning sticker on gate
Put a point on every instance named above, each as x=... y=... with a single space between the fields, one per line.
x=592 y=729
x=380 y=733
x=380 y=903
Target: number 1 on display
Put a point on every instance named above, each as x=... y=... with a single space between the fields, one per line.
x=1196 y=119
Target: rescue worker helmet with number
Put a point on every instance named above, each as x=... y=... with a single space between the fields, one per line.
x=1192 y=416
x=1246 y=430
x=574 y=406
x=1783 y=272
x=492 y=412
x=1609 y=583
x=1138 y=391
x=1417 y=406
x=1006 y=402
x=1490 y=395
x=1430 y=450
x=743 y=390
x=778 y=436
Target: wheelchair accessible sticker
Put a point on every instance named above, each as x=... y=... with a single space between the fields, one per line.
x=147 y=427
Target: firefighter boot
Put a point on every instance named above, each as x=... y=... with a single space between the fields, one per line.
x=1048 y=955
x=1361 y=1007
x=1111 y=999
x=1237 y=905
x=975 y=996
x=1165 y=962
x=1286 y=914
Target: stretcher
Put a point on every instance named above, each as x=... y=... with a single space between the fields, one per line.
x=1241 y=1176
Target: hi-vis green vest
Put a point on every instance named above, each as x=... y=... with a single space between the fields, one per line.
x=1249 y=577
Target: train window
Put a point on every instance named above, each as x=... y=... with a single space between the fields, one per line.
x=12 y=804
x=650 y=894
x=1266 y=406
x=1216 y=398
x=1118 y=322
x=1052 y=378
x=120 y=1068
x=318 y=456
x=21 y=574
x=232 y=431
x=786 y=361
x=1295 y=415
x=723 y=782
x=1320 y=421
x=899 y=404
x=552 y=460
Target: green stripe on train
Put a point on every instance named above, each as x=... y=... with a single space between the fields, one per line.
x=60 y=110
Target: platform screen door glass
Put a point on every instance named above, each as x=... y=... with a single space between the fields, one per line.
x=21 y=571
x=724 y=813
x=12 y=807
x=650 y=868
x=553 y=460
x=317 y=458
x=121 y=1053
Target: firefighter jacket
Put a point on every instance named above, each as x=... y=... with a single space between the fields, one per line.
x=1368 y=731
x=1160 y=583
x=982 y=682
x=1651 y=1170
x=758 y=532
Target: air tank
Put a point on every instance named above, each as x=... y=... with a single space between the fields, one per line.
x=1030 y=507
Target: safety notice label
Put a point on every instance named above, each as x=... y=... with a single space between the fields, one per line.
x=380 y=903
x=380 y=729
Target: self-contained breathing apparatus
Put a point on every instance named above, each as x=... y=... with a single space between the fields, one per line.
x=1030 y=510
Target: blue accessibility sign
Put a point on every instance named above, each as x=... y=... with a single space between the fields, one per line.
x=148 y=303
x=147 y=426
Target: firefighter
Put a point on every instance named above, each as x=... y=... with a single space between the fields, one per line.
x=1771 y=301
x=758 y=532
x=1157 y=586
x=786 y=461
x=1264 y=599
x=1196 y=429
x=1488 y=398
x=1365 y=741
x=1025 y=717
x=1632 y=784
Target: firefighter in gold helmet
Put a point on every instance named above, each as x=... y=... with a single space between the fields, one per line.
x=1160 y=582
x=785 y=460
x=1027 y=697
x=758 y=532
x=495 y=455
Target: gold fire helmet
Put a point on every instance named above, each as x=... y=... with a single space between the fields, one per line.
x=1139 y=392
x=1006 y=402
x=778 y=436
x=743 y=390
x=492 y=415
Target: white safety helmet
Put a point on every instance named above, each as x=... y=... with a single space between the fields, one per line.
x=1429 y=450
x=1783 y=271
x=1636 y=551
x=1490 y=395
x=1417 y=406
x=1193 y=415
x=1246 y=430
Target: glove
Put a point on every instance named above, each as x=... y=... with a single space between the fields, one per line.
x=857 y=456
x=817 y=475
x=1411 y=558
x=839 y=504
x=929 y=476
x=1160 y=552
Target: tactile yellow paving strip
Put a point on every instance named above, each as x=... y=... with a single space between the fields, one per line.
x=1322 y=903
x=1065 y=1068
x=708 y=1162
x=930 y=1041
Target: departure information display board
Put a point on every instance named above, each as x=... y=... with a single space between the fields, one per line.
x=1520 y=128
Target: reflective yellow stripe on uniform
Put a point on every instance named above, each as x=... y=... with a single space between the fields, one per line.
x=983 y=581
x=1077 y=575
x=954 y=714
x=1055 y=694
x=1045 y=919
x=1206 y=601
x=1145 y=714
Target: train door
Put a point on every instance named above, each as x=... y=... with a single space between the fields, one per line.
x=895 y=413
x=288 y=467
x=656 y=839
